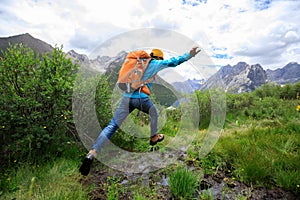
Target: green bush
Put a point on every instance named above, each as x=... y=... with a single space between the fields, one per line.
x=36 y=94
x=204 y=108
x=288 y=91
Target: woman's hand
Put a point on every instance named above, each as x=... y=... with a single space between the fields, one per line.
x=194 y=51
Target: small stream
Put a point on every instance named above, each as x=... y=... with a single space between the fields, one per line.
x=220 y=186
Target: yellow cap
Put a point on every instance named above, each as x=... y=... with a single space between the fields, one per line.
x=157 y=53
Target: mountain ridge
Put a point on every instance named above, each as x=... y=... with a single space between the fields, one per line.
x=290 y=73
x=238 y=78
x=243 y=77
x=37 y=45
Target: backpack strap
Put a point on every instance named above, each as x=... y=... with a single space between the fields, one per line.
x=146 y=66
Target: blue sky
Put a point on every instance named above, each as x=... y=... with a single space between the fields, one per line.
x=254 y=31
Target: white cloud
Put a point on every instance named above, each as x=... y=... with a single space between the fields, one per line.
x=265 y=31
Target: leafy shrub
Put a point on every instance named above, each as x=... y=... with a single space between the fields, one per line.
x=204 y=108
x=103 y=101
x=288 y=91
x=35 y=101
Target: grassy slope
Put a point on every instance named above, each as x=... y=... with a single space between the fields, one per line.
x=260 y=151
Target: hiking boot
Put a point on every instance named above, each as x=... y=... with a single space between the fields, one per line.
x=156 y=138
x=87 y=163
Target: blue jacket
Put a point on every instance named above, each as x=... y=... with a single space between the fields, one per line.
x=154 y=67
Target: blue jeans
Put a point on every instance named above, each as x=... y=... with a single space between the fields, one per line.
x=125 y=107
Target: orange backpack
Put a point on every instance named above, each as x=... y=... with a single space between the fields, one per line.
x=132 y=71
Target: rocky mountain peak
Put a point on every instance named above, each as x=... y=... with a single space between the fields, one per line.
x=76 y=56
x=239 y=78
x=290 y=73
x=257 y=74
x=101 y=64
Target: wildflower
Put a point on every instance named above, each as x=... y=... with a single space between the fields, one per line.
x=64 y=116
x=298 y=108
x=45 y=127
x=298 y=186
x=233 y=183
x=3 y=126
x=225 y=179
x=15 y=161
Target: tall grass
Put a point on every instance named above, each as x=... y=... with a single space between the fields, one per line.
x=54 y=180
x=260 y=142
x=182 y=183
x=263 y=155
